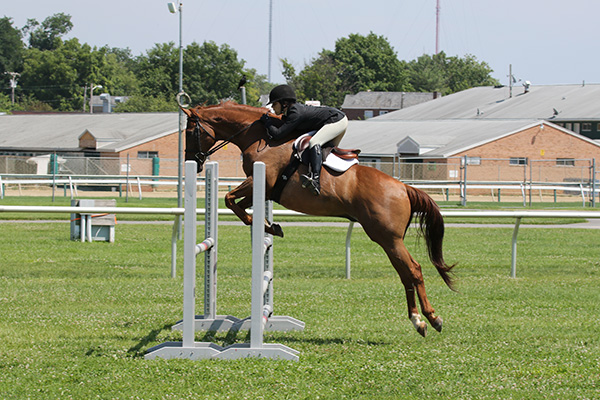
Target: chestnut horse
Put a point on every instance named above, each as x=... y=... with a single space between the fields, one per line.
x=381 y=204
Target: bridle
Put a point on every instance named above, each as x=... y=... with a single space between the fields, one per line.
x=199 y=129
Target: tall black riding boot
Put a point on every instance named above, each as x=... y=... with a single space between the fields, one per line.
x=312 y=180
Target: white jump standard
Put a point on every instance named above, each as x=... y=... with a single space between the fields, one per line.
x=262 y=281
x=189 y=348
x=261 y=272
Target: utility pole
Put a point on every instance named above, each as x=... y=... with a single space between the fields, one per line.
x=270 y=37
x=173 y=9
x=13 y=84
x=510 y=80
x=437 y=27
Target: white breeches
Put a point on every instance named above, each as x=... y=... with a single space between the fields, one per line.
x=330 y=133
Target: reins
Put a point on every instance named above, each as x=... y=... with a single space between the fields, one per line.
x=224 y=143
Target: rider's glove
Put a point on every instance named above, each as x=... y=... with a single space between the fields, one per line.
x=266 y=120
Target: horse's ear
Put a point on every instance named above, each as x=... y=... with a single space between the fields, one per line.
x=187 y=111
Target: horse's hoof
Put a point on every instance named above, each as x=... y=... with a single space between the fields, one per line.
x=276 y=230
x=437 y=324
x=422 y=329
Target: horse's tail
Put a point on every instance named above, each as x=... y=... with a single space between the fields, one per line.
x=431 y=226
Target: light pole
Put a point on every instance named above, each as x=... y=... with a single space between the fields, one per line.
x=92 y=87
x=173 y=10
x=13 y=84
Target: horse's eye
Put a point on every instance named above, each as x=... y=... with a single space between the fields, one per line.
x=218 y=119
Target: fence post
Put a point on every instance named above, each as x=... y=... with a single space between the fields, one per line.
x=593 y=182
x=463 y=197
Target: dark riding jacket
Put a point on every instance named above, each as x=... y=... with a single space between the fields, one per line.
x=304 y=118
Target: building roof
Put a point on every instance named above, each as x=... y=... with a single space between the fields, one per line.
x=571 y=102
x=437 y=138
x=60 y=132
x=463 y=120
x=384 y=100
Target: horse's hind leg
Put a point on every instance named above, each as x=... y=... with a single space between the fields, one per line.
x=412 y=279
x=426 y=307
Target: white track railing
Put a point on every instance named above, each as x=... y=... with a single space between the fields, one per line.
x=582 y=189
x=516 y=215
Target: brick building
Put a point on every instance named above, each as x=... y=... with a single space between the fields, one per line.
x=149 y=139
x=492 y=129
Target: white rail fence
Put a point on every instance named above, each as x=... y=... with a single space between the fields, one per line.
x=527 y=190
x=517 y=216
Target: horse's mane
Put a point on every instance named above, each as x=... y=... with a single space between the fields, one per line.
x=232 y=104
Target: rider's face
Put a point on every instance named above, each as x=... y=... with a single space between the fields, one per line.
x=277 y=108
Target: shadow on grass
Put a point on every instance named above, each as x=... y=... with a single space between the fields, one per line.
x=234 y=336
x=136 y=351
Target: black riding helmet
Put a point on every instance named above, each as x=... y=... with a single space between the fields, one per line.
x=282 y=92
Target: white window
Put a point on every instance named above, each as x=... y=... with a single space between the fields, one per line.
x=566 y=162
x=473 y=160
x=147 y=154
x=518 y=161
x=368 y=114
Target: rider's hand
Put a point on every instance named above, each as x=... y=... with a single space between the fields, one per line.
x=266 y=120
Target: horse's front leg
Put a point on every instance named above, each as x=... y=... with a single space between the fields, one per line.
x=244 y=194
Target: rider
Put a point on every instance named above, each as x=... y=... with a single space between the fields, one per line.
x=330 y=124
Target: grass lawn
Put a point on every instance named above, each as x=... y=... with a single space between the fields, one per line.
x=76 y=318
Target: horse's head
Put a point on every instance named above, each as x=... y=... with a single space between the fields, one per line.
x=227 y=122
x=199 y=137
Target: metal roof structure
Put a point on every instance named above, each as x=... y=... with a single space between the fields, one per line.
x=385 y=100
x=61 y=132
x=547 y=102
x=439 y=138
x=463 y=120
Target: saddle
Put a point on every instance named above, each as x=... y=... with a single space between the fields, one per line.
x=302 y=143
x=333 y=157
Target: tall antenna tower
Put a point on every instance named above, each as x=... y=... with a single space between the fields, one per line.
x=270 y=37
x=437 y=27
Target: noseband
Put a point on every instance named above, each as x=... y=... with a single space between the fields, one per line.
x=201 y=156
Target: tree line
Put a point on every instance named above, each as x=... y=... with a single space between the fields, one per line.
x=54 y=74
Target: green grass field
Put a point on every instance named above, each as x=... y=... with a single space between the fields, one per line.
x=76 y=318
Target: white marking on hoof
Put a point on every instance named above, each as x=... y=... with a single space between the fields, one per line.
x=419 y=325
x=415 y=319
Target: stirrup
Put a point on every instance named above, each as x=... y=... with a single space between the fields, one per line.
x=312 y=184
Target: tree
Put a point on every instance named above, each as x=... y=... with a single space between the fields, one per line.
x=428 y=74
x=157 y=71
x=368 y=63
x=358 y=63
x=139 y=103
x=48 y=34
x=58 y=77
x=439 y=73
x=11 y=47
x=50 y=77
x=211 y=72
x=467 y=72
x=320 y=81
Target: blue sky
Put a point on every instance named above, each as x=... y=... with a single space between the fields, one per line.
x=547 y=42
